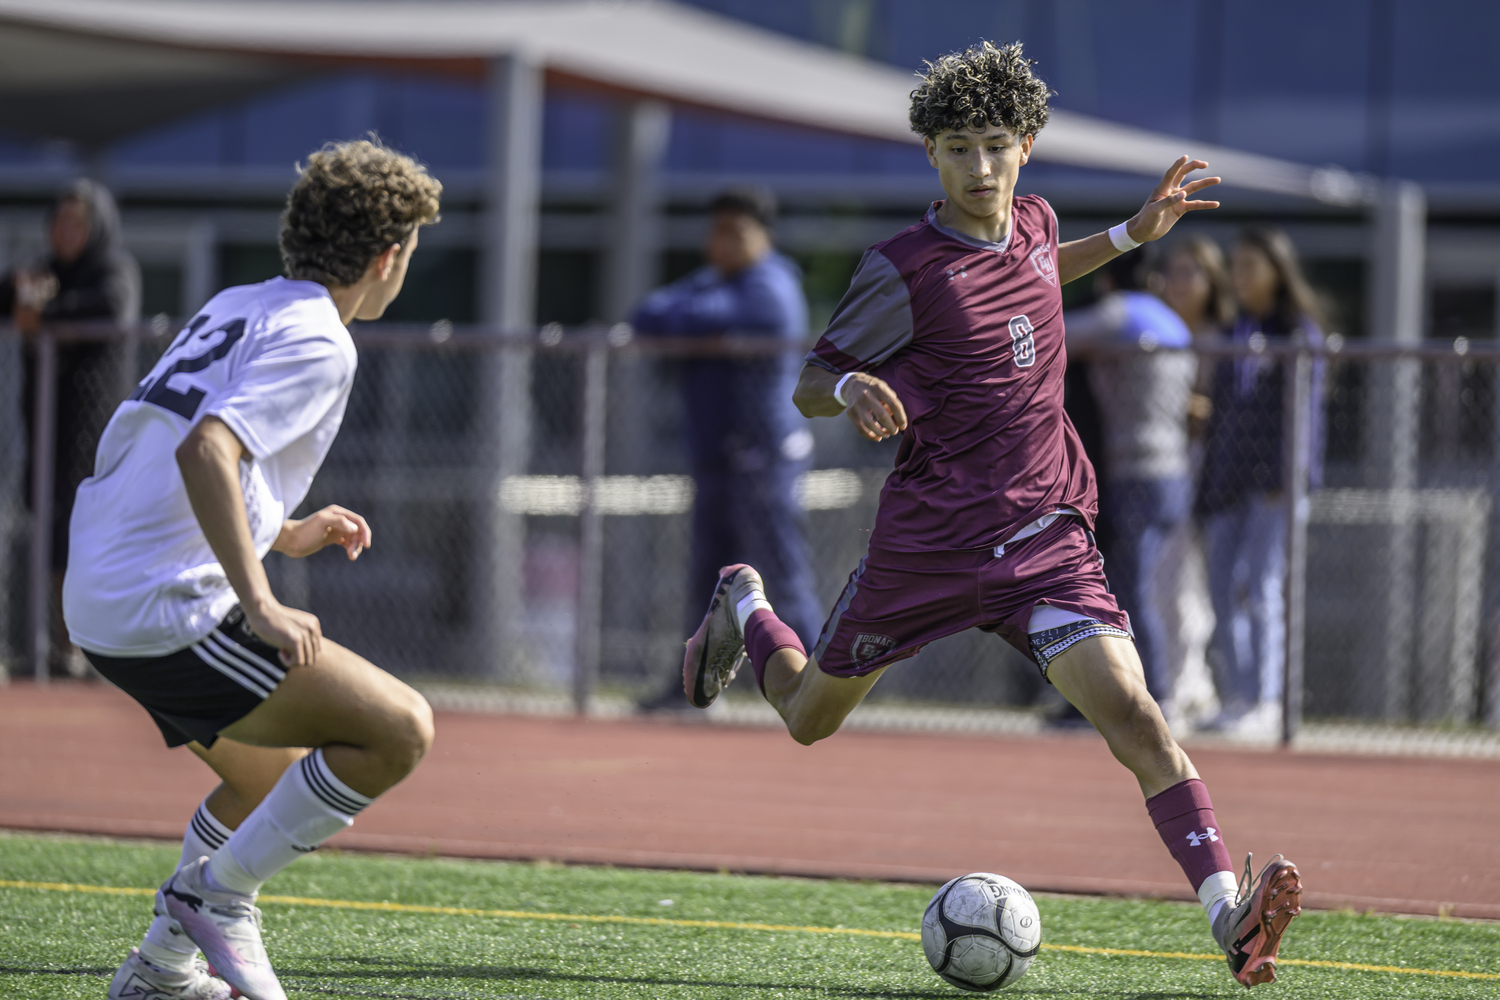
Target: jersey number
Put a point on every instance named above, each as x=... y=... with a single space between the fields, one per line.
x=1022 y=344
x=186 y=403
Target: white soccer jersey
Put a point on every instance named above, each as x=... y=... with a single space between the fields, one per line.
x=275 y=363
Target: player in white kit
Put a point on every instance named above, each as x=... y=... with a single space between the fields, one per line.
x=193 y=483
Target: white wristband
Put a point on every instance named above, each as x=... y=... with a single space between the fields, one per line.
x=838 y=390
x=1121 y=239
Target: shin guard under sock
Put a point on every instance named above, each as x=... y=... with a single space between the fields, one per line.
x=308 y=805
x=1184 y=818
x=764 y=635
x=165 y=945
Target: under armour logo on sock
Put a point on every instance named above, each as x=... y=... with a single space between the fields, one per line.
x=1198 y=838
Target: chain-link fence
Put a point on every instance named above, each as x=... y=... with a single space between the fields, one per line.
x=544 y=506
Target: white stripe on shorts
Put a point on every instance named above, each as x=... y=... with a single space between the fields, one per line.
x=251 y=682
x=238 y=653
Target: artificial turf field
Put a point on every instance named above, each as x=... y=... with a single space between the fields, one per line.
x=608 y=932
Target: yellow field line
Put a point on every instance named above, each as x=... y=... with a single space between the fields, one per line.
x=463 y=911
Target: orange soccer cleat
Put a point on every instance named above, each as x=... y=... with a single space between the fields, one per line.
x=1250 y=931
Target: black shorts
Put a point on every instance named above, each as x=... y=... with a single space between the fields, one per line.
x=195 y=692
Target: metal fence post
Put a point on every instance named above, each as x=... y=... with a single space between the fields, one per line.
x=43 y=458
x=591 y=525
x=1297 y=456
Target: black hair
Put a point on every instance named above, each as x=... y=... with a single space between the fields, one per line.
x=754 y=200
x=984 y=85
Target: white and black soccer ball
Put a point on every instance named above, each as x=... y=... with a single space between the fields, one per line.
x=981 y=931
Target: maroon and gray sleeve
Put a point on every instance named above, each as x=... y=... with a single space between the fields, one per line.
x=871 y=323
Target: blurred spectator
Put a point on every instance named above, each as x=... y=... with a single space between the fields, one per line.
x=746 y=441
x=85 y=276
x=1240 y=494
x=1193 y=279
x=1142 y=378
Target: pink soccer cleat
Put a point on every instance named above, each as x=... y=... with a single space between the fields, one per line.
x=1250 y=931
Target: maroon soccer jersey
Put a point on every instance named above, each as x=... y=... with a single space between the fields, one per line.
x=970 y=336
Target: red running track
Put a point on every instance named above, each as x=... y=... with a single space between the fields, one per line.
x=1412 y=835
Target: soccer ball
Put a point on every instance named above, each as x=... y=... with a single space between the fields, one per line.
x=981 y=931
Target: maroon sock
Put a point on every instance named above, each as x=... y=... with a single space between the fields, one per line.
x=764 y=635
x=1184 y=816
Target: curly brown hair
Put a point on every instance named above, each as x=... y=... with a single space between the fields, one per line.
x=351 y=201
x=983 y=85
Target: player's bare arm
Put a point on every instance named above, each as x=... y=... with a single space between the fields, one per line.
x=1171 y=199
x=209 y=458
x=871 y=405
x=333 y=525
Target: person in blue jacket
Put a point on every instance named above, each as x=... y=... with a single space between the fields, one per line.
x=1142 y=375
x=747 y=444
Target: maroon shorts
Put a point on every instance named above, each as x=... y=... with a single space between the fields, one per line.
x=897 y=602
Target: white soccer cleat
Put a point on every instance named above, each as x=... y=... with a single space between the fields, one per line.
x=716 y=651
x=226 y=925
x=138 y=979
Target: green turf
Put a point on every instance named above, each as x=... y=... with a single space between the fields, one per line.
x=56 y=944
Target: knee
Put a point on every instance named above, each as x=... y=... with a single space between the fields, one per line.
x=1135 y=722
x=410 y=733
x=809 y=731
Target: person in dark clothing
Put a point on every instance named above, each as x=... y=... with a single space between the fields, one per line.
x=86 y=277
x=747 y=443
x=1240 y=493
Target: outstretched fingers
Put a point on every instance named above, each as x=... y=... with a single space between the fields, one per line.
x=1185 y=166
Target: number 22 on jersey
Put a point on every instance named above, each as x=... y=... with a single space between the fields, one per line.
x=157 y=390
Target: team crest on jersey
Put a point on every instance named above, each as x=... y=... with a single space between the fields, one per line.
x=1041 y=259
x=868 y=646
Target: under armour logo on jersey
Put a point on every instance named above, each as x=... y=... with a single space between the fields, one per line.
x=962 y=272
x=1198 y=838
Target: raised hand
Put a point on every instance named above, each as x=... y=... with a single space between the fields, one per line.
x=1169 y=201
x=333 y=525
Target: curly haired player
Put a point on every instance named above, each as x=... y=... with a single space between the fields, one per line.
x=166 y=594
x=951 y=335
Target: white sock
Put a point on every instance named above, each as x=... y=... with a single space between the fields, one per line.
x=1217 y=892
x=165 y=945
x=748 y=605
x=307 y=806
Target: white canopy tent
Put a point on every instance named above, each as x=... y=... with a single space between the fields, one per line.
x=94 y=70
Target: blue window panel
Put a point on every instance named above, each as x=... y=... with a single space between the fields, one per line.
x=788 y=18
x=1101 y=43
x=21 y=150
x=1294 y=79
x=442 y=122
x=702 y=142
x=696 y=142
x=284 y=127
x=1445 y=115
x=197 y=140
x=920 y=31
x=577 y=132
